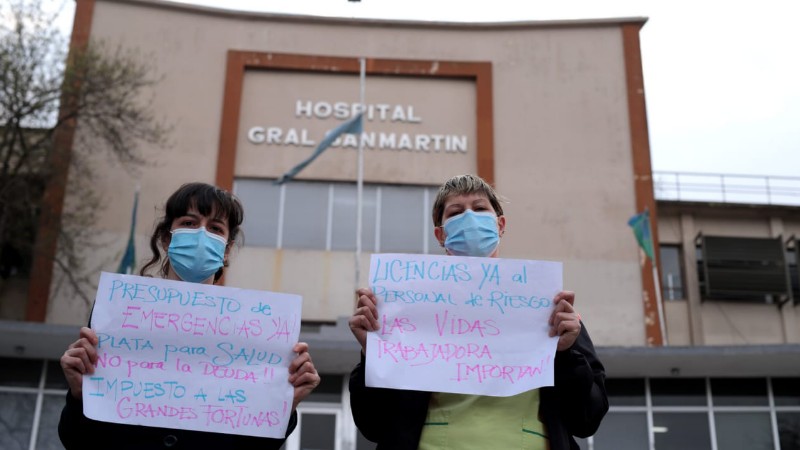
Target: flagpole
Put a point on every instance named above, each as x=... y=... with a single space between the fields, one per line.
x=657 y=281
x=360 y=176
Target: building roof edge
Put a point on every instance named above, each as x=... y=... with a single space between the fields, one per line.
x=399 y=23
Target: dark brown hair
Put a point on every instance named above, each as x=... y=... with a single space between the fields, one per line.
x=208 y=200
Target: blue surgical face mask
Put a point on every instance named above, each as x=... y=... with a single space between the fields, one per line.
x=195 y=254
x=471 y=233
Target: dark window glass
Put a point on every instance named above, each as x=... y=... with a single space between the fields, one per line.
x=318 y=431
x=55 y=376
x=678 y=391
x=739 y=391
x=681 y=431
x=789 y=430
x=751 y=431
x=16 y=420
x=625 y=391
x=329 y=389
x=20 y=372
x=47 y=438
x=671 y=272
x=622 y=431
x=786 y=391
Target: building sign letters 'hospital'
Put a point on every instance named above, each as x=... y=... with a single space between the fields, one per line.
x=372 y=139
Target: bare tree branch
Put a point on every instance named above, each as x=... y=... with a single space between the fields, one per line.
x=106 y=90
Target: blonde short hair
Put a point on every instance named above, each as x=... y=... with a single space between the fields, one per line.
x=463 y=185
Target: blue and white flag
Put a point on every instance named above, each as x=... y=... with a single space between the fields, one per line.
x=640 y=223
x=352 y=126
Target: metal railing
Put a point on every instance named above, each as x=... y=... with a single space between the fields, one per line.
x=727 y=188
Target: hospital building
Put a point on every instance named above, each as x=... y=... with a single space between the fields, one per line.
x=701 y=351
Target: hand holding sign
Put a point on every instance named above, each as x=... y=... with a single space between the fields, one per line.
x=459 y=324
x=564 y=321
x=365 y=318
x=79 y=359
x=191 y=356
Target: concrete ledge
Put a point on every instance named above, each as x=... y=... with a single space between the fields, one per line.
x=335 y=351
x=708 y=361
x=34 y=340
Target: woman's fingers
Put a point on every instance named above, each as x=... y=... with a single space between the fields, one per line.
x=367 y=305
x=365 y=317
x=564 y=321
x=303 y=375
x=296 y=366
x=80 y=359
x=562 y=305
x=84 y=347
x=83 y=350
x=77 y=359
x=89 y=334
x=569 y=296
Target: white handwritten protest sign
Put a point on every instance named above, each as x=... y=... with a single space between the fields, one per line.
x=462 y=325
x=192 y=356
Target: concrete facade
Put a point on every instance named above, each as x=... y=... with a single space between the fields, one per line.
x=551 y=113
x=561 y=135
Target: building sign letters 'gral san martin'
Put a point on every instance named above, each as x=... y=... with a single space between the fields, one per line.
x=372 y=139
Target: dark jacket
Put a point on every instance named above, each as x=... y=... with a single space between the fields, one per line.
x=573 y=407
x=79 y=432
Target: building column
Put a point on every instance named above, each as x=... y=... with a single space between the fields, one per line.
x=791 y=334
x=688 y=247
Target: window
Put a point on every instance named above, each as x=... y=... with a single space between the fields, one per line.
x=663 y=413
x=305 y=215
x=329 y=389
x=322 y=216
x=318 y=431
x=261 y=201
x=739 y=392
x=31 y=398
x=678 y=391
x=789 y=429
x=700 y=413
x=671 y=272
x=750 y=430
x=681 y=430
x=344 y=215
x=743 y=269
x=625 y=391
x=622 y=431
x=786 y=391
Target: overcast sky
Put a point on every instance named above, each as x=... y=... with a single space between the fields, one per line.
x=722 y=78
